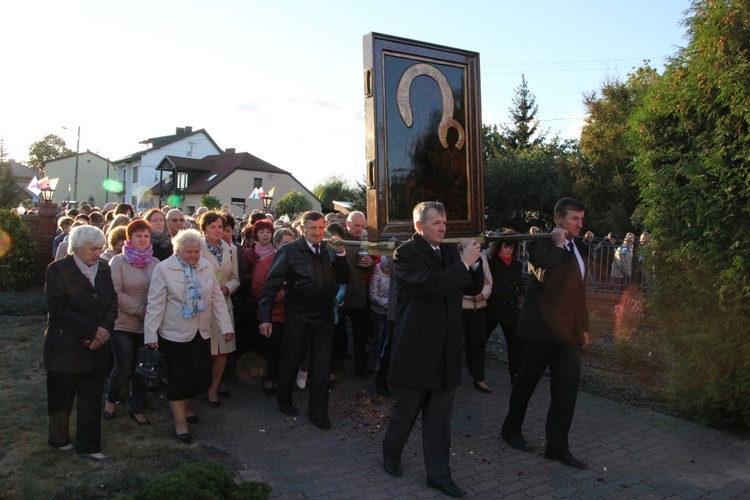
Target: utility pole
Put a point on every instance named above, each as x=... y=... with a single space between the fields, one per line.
x=75 y=178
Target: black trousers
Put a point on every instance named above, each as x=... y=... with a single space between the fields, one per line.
x=475 y=338
x=512 y=343
x=361 y=324
x=437 y=410
x=297 y=339
x=564 y=362
x=62 y=389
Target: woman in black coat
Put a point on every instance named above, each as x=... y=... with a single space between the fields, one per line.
x=82 y=306
x=504 y=302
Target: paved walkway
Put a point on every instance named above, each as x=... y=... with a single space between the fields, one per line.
x=632 y=452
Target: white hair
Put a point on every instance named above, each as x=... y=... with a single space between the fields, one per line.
x=82 y=236
x=185 y=238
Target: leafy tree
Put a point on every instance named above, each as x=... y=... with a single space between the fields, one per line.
x=49 y=148
x=493 y=143
x=210 y=202
x=17 y=252
x=10 y=193
x=360 y=195
x=523 y=134
x=334 y=187
x=692 y=138
x=603 y=176
x=293 y=203
x=521 y=188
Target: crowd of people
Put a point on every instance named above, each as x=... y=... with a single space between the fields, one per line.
x=203 y=289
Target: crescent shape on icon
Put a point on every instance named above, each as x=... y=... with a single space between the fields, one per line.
x=404 y=102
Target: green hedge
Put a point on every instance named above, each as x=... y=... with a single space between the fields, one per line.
x=207 y=480
x=17 y=252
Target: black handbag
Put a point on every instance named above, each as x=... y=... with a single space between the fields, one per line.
x=149 y=362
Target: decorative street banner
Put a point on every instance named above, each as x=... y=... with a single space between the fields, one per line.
x=423 y=135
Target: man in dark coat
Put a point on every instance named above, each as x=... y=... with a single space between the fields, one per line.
x=554 y=328
x=426 y=354
x=310 y=272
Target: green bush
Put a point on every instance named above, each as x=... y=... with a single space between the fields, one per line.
x=206 y=480
x=17 y=252
x=293 y=203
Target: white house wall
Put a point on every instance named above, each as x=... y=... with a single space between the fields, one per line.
x=195 y=146
x=240 y=184
x=92 y=171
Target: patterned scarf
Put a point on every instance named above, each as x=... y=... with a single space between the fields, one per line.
x=216 y=251
x=192 y=301
x=264 y=250
x=135 y=257
x=161 y=240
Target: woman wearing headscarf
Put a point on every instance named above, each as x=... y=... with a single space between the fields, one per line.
x=183 y=298
x=131 y=274
x=224 y=261
x=82 y=306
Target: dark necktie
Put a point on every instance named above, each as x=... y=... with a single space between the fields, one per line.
x=575 y=257
x=437 y=252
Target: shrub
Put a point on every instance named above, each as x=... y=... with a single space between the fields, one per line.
x=293 y=203
x=206 y=480
x=17 y=252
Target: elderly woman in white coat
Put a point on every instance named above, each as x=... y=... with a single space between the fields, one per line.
x=183 y=298
x=223 y=258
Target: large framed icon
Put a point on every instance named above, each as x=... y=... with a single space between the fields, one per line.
x=423 y=135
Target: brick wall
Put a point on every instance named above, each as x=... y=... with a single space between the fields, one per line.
x=42 y=226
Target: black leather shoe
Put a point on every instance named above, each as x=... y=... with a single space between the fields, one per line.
x=214 y=404
x=566 y=459
x=485 y=390
x=140 y=423
x=185 y=438
x=192 y=419
x=288 y=410
x=517 y=442
x=109 y=416
x=392 y=468
x=322 y=423
x=449 y=489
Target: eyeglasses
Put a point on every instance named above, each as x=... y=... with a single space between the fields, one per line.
x=176 y=220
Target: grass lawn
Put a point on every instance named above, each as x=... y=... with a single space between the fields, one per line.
x=29 y=468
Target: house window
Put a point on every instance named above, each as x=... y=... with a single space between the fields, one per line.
x=189 y=148
x=257 y=182
x=191 y=209
x=182 y=180
x=135 y=175
x=134 y=202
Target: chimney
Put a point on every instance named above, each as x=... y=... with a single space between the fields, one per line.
x=180 y=131
x=188 y=129
x=229 y=151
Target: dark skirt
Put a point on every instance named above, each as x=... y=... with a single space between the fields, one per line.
x=188 y=367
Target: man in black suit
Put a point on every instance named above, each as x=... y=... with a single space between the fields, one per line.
x=554 y=329
x=310 y=272
x=426 y=353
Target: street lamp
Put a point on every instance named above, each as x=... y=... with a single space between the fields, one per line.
x=267 y=200
x=75 y=178
x=47 y=187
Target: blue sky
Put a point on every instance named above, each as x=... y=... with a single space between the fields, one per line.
x=283 y=80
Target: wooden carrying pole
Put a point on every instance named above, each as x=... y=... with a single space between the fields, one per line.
x=387 y=247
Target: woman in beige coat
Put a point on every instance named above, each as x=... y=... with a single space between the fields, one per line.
x=183 y=300
x=223 y=258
